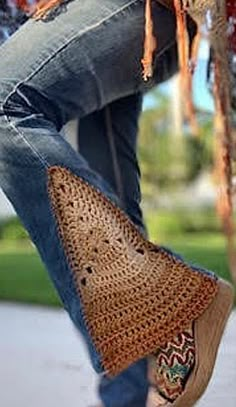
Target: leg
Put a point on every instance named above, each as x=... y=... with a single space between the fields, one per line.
x=122 y=124
x=129 y=389
x=66 y=74
x=65 y=71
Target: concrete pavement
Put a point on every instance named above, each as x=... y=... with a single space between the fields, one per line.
x=43 y=362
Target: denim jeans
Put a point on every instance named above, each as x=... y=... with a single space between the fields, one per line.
x=78 y=63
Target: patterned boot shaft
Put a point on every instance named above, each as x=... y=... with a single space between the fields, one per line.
x=136 y=296
x=171 y=365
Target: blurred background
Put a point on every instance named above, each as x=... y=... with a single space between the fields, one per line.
x=178 y=190
x=39 y=349
x=178 y=184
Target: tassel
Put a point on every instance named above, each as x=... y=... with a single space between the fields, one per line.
x=39 y=9
x=43 y=7
x=221 y=45
x=150 y=43
x=217 y=14
x=223 y=129
x=186 y=63
x=223 y=167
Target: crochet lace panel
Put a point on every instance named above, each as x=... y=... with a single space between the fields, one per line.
x=136 y=296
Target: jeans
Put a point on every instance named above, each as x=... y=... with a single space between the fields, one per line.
x=81 y=62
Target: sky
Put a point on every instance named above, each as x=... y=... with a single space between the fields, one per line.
x=201 y=94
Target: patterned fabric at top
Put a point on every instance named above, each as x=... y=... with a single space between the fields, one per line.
x=11 y=17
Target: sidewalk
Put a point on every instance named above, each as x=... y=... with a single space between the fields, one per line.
x=43 y=362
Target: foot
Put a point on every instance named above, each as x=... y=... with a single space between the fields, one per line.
x=181 y=370
x=170 y=368
x=139 y=311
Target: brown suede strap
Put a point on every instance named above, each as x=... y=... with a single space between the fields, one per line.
x=167 y=3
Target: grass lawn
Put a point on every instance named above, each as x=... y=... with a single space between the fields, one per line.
x=23 y=277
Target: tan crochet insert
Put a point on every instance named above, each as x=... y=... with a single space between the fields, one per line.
x=135 y=295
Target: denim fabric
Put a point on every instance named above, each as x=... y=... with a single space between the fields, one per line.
x=75 y=65
x=130 y=388
x=94 y=145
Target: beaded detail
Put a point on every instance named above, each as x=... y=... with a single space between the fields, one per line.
x=136 y=296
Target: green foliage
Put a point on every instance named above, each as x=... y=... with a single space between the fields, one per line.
x=12 y=230
x=23 y=278
x=199 y=155
x=169 y=161
x=169 y=224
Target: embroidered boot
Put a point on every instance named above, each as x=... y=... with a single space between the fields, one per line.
x=170 y=368
x=136 y=296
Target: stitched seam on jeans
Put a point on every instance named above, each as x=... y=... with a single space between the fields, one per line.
x=77 y=36
x=30 y=76
x=40 y=157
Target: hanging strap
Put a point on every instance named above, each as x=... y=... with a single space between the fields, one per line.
x=115 y=161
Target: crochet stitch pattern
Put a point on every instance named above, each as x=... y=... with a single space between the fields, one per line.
x=136 y=296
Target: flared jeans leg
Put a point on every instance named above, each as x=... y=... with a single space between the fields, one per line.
x=71 y=65
x=116 y=128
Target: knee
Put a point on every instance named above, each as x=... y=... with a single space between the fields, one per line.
x=8 y=96
x=12 y=111
x=14 y=101
x=25 y=100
